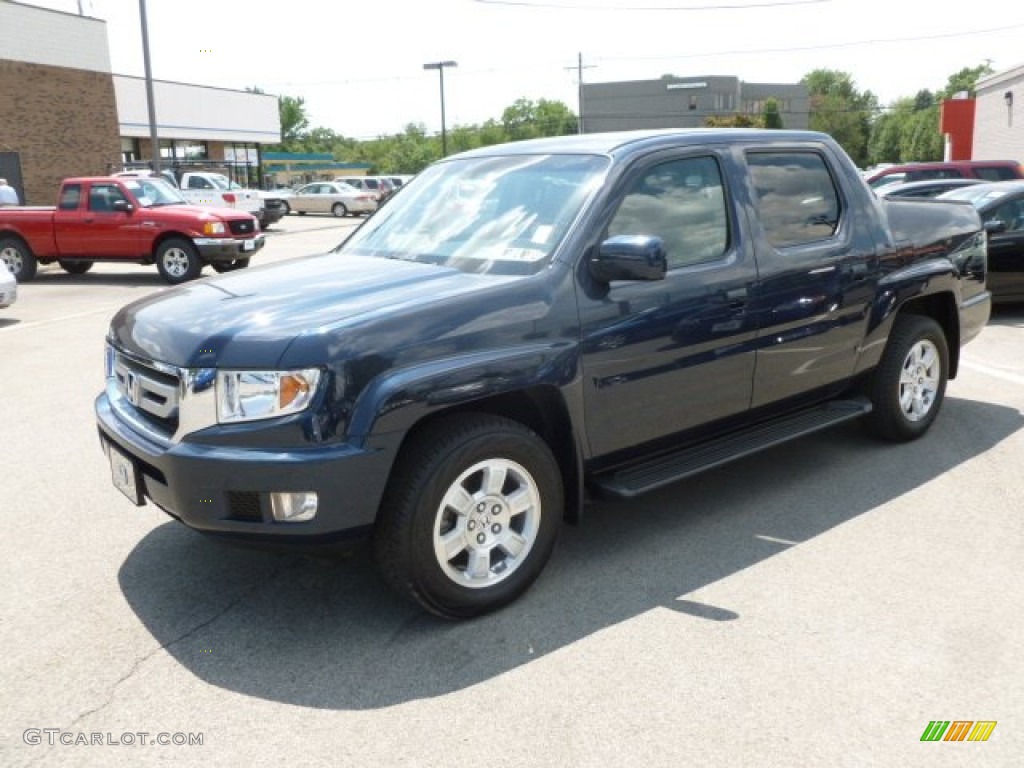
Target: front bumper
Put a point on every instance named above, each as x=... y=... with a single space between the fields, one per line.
x=8 y=293
x=228 y=248
x=270 y=216
x=226 y=489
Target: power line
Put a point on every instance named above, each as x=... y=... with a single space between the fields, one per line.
x=656 y=8
x=822 y=47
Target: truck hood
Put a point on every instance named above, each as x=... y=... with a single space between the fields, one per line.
x=248 y=319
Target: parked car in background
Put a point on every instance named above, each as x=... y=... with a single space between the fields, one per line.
x=380 y=188
x=1001 y=206
x=274 y=207
x=987 y=170
x=398 y=181
x=135 y=220
x=8 y=286
x=332 y=197
x=930 y=188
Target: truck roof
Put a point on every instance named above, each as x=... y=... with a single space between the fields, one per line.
x=626 y=141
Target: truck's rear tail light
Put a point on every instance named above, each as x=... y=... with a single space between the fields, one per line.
x=229 y=197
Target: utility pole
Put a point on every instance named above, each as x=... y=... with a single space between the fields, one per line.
x=153 y=138
x=579 y=90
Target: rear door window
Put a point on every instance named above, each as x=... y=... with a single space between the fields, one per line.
x=796 y=197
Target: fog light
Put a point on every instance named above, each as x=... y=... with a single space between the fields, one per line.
x=293 y=507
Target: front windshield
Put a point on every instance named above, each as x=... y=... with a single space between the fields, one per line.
x=488 y=215
x=150 y=192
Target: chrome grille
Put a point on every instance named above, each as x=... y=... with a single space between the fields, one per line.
x=151 y=389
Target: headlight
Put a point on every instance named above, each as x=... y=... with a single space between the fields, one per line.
x=214 y=228
x=252 y=395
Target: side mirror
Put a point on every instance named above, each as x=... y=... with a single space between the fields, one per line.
x=630 y=257
x=995 y=226
x=122 y=206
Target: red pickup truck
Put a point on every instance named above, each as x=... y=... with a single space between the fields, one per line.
x=145 y=221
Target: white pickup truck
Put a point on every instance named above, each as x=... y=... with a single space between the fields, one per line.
x=210 y=189
x=216 y=189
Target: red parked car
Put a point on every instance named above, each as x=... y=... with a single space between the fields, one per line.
x=139 y=220
x=986 y=170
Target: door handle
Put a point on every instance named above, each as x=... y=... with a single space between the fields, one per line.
x=736 y=298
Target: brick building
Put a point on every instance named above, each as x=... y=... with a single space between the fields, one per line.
x=58 y=113
x=64 y=113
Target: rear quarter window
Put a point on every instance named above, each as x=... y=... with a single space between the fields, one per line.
x=70 y=194
x=995 y=173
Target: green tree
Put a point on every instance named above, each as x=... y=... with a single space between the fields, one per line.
x=965 y=80
x=840 y=110
x=526 y=119
x=734 y=121
x=294 y=121
x=772 y=116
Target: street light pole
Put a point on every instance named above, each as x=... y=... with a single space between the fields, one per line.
x=153 y=138
x=439 y=66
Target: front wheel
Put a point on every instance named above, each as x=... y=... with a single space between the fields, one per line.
x=178 y=261
x=470 y=516
x=75 y=267
x=339 y=210
x=19 y=258
x=908 y=386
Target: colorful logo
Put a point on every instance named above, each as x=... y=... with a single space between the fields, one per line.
x=958 y=730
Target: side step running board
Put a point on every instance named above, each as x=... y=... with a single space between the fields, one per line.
x=640 y=478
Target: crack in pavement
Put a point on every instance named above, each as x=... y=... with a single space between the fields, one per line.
x=137 y=664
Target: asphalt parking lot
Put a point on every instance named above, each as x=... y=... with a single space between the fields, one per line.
x=815 y=605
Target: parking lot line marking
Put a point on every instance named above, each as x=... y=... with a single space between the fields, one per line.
x=997 y=373
x=18 y=326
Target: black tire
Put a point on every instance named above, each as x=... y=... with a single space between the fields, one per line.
x=75 y=267
x=287 y=208
x=229 y=266
x=21 y=262
x=909 y=384
x=301 y=213
x=479 y=572
x=339 y=210
x=178 y=260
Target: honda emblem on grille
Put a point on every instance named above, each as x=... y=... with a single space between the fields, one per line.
x=132 y=388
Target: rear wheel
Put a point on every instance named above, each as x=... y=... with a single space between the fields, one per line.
x=908 y=386
x=470 y=516
x=19 y=258
x=287 y=208
x=178 y=261
x=339 y=210
x=75 y=267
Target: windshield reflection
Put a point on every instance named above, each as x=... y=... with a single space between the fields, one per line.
x=487 y=215
x=151 y=192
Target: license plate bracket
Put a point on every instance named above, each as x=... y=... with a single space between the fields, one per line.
x=125 y=475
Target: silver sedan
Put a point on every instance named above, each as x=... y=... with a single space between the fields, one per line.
x=331 y=197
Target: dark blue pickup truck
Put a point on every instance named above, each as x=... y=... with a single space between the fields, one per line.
x=523 y=325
